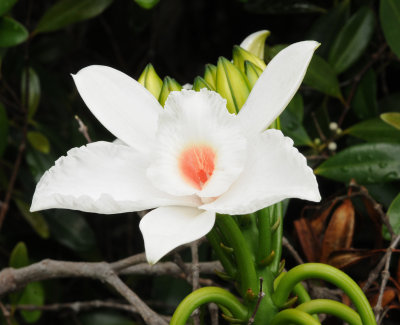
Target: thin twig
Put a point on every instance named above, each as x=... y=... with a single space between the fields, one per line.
x=261 y=295
x=195 y=278
x=292 y=250
x=6 y=313
x=213 y=310
x=83 y=129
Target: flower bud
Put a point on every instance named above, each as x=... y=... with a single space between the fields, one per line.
x=240 y=55
x=210 y=75
x=333 y=126
x=232 y=85
x=255 y=43
x=200 y=83
x=168 y=85
x=332 y=146
x=252 y=72
x=150 y=80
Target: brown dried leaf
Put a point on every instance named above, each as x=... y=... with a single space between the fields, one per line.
x=347 y=257
x=340 y=230
x=388 y=296
x=309 y=244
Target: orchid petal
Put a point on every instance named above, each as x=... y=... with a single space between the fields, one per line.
x=275 y=170
x=120 y=103
x=276 y=86
x=166 y=228
x=103 y=178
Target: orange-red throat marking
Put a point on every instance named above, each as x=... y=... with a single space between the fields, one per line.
x=197 y=164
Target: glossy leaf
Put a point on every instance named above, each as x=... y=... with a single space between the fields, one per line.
x=394 y=214
x=70 y=229
x=67 y=12
x=374 y=130
x=19 y=256
x=365 y=104
x=392 y=119
x=3 y=129
x=35 y=219
x=321 y=76
x=34 y=91
x=6 y=5
x=367 y=163
x=38 y=141
x=33 y=294
x=352 y=40
x=389 y=13
x=326 y=27
x=12 y=32
x=147 y=4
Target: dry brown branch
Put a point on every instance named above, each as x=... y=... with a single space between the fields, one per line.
x=195 y=275
x=292 y=250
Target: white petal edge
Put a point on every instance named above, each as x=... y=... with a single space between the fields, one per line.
x=255 y=43
x=166 y=228
x=276 y=86
x=275 y=171
x=101 y=177
x=120 y=103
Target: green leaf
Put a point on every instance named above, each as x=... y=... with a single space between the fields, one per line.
x=352 y=40
x=19 y=256
x=291 y=122
x=38 y=141
x=326 y=27
x=321 y=76
x=3 y=129
x=390 y=21
x=394 y=214
x=392 y=119
x=367 y=163
x=34 y=91
x=12 y=32
x=33 y=294
x=35 y=219
x=67 y=12
x=374 y=130
x=70 y=229
x=6 y=5
x=364 y=103
x=390 y=103
x=147 y=4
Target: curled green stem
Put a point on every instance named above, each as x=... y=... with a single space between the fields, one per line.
x=206 y=295
x=331 y=307
x=330 y=274
x=293 y=316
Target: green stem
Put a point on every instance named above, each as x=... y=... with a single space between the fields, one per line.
x=206 y=295
x=277 y=238
x=215 y=241
x=331 y=307
x=301 y=293
x=330 y=274
x=293 y=316
x=245 y=263
x=264 y=233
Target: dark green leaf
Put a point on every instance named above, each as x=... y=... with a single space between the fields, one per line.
x=67 y=12
x=38 y=162
x=19 y=256
x=374 y=130
x=70 y=229
x=11 y=32
x=390 y=20
x=394 y=214
x=352 y=40
x=392 y=119
x=33 y=294
x=34 y=91
x=35 y=219
x=390 y=103
x=38 y=141
x=6 y=5
x=291 y=125
x=147 y=4
x=322 y=77
x=3 y=129
x=364 y=103
x=326 y=27
x=366 y=163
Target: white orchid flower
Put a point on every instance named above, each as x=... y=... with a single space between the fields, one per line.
x=189 y=161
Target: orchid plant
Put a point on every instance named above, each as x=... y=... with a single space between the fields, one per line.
x=207 y=164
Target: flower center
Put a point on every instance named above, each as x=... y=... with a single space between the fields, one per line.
x=196 y=164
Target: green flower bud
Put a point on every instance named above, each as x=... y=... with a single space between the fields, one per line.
x=200 y=83
x=168 y=85
x=255 y=43
x=232 y=85
x=210 y=75
x=150 y=80
x=240 y=55
x=252 y=72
